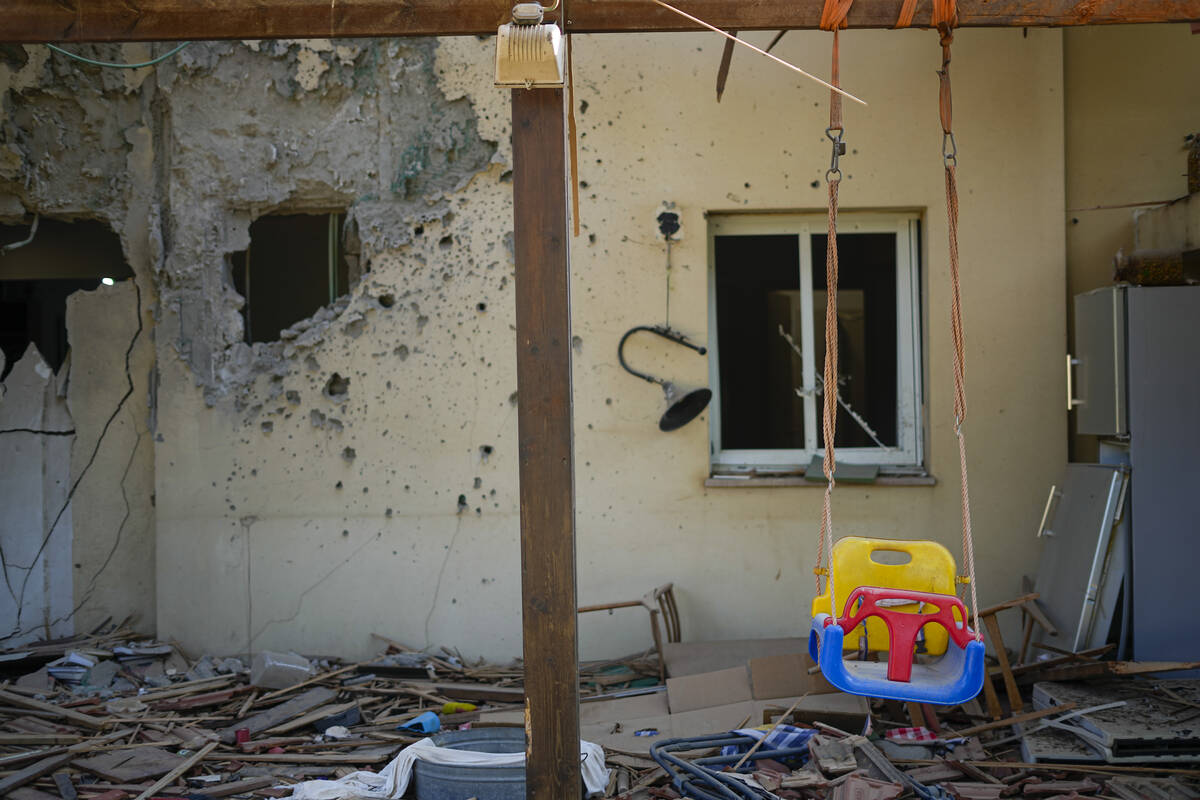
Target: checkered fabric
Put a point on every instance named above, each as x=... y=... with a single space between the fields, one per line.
x=785 y=736
x=912 y=734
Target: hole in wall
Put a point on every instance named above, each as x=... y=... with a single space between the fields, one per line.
x=36 y=278
x=337 y=386
x=296 y=263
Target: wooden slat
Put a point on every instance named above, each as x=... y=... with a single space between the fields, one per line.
x=166 y=780
x=545 y=444
x=1017 y=719
x=150 y=20
x=74 y=717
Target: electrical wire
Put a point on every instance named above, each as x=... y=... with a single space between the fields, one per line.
x=152 y=62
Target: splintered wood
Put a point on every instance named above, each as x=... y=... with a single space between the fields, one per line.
x=166 y=726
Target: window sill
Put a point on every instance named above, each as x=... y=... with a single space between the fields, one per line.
x=761 y=482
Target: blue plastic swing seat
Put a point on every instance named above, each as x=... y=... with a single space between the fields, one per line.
x=954 y=678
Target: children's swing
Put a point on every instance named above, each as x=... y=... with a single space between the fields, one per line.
x=889 y=606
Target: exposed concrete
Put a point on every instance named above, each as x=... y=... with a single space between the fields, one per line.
x=301 y=126
x=35 y=447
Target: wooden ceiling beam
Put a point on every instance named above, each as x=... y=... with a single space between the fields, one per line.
x=164 y=20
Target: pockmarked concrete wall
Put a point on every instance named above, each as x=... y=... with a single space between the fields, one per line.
x=360 y=475
x=1132 y=96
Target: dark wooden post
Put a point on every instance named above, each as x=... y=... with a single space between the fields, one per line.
x=543 y=282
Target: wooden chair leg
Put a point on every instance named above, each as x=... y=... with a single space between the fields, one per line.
x=1025 y=637
x=662 y=664
x=991 y=698
x=1010 y=683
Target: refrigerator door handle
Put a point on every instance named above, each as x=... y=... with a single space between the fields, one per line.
x=1071 y=400
x=1054 y=493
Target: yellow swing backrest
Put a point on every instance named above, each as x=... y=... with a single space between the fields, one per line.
x=930 y=569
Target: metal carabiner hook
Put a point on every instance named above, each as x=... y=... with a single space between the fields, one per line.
x=949 y=149
x=839 y=149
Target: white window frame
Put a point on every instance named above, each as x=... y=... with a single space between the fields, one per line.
x=908 y=451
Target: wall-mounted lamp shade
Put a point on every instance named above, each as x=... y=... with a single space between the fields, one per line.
x=683 y=405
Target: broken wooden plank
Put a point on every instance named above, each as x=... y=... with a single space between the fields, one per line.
x=1146 y=667
x=310 y=681
x=279 y=714
x=1016 y=719
x=33 y=772
x=130 y=766
x=315 y=715
x=149 y=20
x=29 y=793
x=480 y=691
x=66 y=789
x=166 y=780
x=372 y=755
x=244 y=786
x=189 y=687
x=7 y=739
x=199 y=700
x=96 y=723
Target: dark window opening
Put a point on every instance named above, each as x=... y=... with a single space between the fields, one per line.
x=758 y=283
x=867 y=347
x=296 y=263
x=36 y=279
x=758 y=292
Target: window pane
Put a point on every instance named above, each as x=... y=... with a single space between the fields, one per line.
x=758 y=290
x=867 y=346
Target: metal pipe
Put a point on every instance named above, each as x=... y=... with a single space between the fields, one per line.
x=658 y=330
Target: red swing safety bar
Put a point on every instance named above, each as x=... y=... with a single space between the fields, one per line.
x=902 y=626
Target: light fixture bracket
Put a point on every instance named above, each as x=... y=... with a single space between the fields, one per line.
x=530 y=53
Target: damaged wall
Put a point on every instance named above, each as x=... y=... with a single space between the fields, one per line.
x=75 y=143
x=35 y=446
x=360 y=474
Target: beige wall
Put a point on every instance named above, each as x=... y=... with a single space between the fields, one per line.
x=259 y=547
x=1132 y=95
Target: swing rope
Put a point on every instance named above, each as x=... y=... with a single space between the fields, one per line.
x=833 y=16
x=944 y=16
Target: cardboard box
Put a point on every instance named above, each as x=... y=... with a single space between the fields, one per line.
x=708 y=689
x=693 y=658
x=785 y=676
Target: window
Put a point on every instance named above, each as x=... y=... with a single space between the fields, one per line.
x=296 y=264
x=767 y=342
x=39 y=267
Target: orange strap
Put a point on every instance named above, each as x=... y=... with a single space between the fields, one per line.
x=943 y=17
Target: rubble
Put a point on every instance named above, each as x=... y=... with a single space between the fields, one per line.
x=147 y=720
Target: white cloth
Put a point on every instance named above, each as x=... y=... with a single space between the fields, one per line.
x=391 y=782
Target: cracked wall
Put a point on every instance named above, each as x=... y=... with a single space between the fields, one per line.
x=76 y=144
x=360 y=474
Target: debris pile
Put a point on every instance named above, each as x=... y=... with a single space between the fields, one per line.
x=114 y=716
